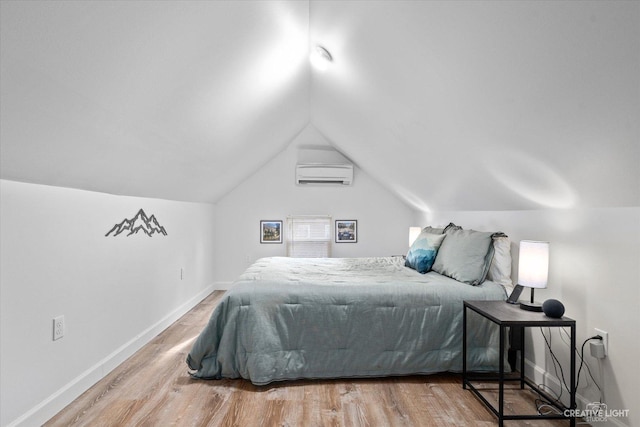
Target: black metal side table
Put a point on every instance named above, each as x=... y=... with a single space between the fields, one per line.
x=509 y=315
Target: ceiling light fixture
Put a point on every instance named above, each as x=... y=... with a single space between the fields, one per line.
x=320 y=58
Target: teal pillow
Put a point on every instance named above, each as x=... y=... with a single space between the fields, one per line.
x=423 y=251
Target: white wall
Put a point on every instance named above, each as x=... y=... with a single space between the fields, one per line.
x=116 y=293
x=595 y=272
x=271 y=194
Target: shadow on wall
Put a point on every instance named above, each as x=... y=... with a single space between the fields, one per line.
x=532 y=179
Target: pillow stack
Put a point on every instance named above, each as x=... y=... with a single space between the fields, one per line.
x=463 y=255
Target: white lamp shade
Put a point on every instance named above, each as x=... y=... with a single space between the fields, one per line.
x=533 y=265
x=414 y=232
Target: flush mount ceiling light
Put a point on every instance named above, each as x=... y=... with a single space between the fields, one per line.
x=320 y=58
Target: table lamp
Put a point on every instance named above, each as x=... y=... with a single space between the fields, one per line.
x=533 y=269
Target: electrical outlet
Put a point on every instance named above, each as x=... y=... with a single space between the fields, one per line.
x=605 y=339
x=181 y=272
x=58 y=327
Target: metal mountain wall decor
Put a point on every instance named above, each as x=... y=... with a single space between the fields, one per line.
x=149 y=225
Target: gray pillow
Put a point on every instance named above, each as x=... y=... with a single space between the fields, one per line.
x=436 y=230
x=465 y=255
x=452 y=226
x=433 y=230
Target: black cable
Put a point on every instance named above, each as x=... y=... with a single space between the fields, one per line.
x=540 y=402
x=556 y=363
x=582 y=362
x=555 y=360
x=594 y=381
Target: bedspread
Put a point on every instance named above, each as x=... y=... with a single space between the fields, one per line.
x=290 y=318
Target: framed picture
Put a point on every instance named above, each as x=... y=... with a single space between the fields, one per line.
x=346 y=231
x=270 y=231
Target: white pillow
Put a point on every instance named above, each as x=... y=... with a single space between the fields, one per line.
x=500 y=268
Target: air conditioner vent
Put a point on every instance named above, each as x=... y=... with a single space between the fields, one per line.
x=325 y=174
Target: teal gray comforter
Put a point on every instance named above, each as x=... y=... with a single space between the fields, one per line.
x=289 y=318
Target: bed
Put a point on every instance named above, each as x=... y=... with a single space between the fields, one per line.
x=291 y=318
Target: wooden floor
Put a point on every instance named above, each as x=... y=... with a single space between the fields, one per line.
x=153 y=388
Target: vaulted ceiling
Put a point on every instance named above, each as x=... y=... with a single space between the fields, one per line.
x=476 y=105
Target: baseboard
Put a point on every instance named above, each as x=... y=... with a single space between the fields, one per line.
x=53 y=404
x=540 y=376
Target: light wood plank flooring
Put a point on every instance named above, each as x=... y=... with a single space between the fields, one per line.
x=153 y=388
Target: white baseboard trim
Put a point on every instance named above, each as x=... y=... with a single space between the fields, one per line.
x=53 y=404
x=540 y=376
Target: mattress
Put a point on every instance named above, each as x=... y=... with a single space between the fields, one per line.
x=291 y=318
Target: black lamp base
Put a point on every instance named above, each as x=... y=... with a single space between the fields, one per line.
x=531 y=306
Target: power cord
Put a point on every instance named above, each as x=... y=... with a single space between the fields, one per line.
x=544 y=407
x=542 y=404
x=582 y=363
x=556 y=364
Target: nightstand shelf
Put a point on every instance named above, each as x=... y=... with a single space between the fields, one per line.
x=509 y=315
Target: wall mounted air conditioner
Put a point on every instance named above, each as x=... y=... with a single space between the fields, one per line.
x=341 y=174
